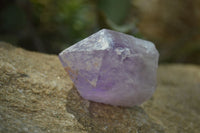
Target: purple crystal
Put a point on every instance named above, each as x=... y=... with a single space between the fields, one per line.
x=112 y=68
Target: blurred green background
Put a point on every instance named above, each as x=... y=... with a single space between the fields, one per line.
x=50 y=26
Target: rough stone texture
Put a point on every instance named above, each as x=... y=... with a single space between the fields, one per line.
x=36 y=95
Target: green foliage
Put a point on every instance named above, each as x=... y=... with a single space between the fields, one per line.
x=47 y=25
x=14 y=23
x=115 y=10
x=78 y=18
x=65 y=21
x=52 y=25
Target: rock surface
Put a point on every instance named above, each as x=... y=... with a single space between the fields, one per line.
x=36 y=95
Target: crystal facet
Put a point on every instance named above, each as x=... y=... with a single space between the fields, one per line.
x=112 y=68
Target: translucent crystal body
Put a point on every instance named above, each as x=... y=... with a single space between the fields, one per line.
x=112 y=68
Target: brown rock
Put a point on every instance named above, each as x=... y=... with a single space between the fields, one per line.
x=175 y=105
x=36 y=95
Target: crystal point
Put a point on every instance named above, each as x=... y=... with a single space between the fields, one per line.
x=112 y=68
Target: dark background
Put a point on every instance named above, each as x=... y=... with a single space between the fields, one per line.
x=50 y=26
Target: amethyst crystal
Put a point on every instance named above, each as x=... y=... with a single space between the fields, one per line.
x=112 y=68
